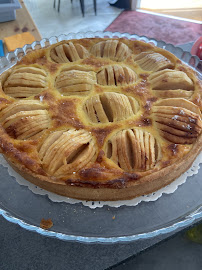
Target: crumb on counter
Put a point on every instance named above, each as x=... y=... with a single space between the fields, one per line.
x=46 y=223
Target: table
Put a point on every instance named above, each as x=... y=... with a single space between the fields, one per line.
x=23 y=23
x=21 y=249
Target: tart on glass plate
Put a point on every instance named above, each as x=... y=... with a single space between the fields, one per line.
x=100 y=119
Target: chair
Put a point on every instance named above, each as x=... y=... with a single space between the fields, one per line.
x=81 y=4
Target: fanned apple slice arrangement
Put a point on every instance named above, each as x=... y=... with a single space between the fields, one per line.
x=112 y=49
x=151 y=61
x=108 y=110
x=110 y=107
x=178 y=120
x=116 y=75
x=25 y=81
x=133 y=150
x=64 y=152
x=25 y=119
x=68 y=52
x=75 y=82
x=171 y=83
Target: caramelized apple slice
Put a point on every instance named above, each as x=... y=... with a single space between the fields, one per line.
x=151 y=61
x=68 y=52
x=75 y=82
x=178 y=120
x=133 y=150
x=116 y=75
x=110 y=107
x=65 y=152
x=25 y=119
x=25 y=81
x=112 y=49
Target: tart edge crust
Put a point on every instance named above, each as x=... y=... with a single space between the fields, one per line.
x=103 y=192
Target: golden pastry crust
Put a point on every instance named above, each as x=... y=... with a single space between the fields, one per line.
x=100 y=119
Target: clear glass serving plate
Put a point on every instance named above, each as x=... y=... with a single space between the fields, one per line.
x=101 y=225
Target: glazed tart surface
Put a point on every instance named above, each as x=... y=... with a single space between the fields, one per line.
x=100 y=119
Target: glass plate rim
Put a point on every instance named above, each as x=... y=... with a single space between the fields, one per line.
x=11 y=59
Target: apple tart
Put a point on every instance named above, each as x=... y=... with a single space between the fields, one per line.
x=100 y=119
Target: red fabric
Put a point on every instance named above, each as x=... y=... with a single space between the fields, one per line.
x=153 y=26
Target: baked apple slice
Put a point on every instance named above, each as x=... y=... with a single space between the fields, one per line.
x=116 y=75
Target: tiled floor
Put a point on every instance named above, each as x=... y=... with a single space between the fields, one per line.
x=69 y=19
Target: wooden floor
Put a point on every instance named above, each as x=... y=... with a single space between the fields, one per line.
x=188 y=9
x=192 y=14
x=23 y=23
